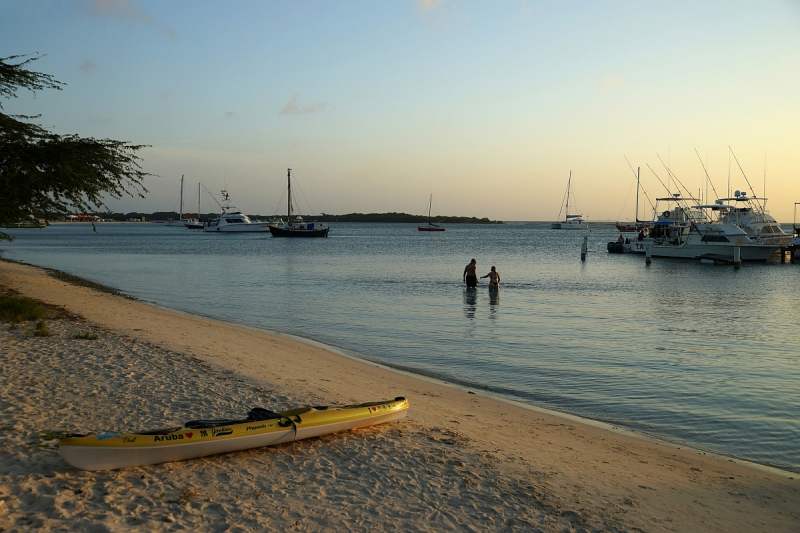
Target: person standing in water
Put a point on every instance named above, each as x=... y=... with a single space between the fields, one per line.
x=494 y=279
x=471 y=274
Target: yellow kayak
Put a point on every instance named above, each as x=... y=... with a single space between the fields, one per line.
x=199 y=438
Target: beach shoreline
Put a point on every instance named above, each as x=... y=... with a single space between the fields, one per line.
x=565 y=472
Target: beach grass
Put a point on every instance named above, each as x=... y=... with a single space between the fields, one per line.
x=16 y=310
x=41 y=329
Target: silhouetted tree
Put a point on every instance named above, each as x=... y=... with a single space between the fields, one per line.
x=41 y=172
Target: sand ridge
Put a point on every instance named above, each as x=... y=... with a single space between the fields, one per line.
x=459 y=460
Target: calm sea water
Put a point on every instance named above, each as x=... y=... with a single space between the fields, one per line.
x=696 y=354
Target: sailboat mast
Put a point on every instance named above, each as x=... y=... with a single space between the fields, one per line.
x=637 y=196
x=569 y=182
x=430 y=203
x=180 y=217
x=289 y=181
x=198 y=201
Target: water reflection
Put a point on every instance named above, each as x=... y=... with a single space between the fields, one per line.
x=470 y=302
x=494 y=302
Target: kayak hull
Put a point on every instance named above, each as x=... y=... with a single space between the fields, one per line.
x=112 y=451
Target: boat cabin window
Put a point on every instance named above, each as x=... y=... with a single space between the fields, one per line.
x=714 y=238
x=234 y=221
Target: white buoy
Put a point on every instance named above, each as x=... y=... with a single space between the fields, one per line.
x=737 y=257
x=584 y=247
x=648 y=252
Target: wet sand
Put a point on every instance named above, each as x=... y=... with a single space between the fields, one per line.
x=459 y=461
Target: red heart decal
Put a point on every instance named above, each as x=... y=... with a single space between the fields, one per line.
x=188 y=435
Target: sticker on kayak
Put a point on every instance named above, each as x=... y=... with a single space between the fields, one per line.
x=218 y=432
x=104 y=436
x=378 y=408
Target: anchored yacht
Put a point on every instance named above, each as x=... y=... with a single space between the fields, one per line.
x=231 y=219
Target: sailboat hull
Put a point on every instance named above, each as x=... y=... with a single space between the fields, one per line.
x=277 y=231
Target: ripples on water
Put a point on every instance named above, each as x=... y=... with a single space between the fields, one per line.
x=697 y=354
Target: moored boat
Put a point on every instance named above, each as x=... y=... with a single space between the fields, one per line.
x=200 y=438
x=639 y=225
x=297 y=227
x=688 y=233
x=232 y=220
x=430 y=226
x=192 y=220
x=750 y=214
x=573 y=221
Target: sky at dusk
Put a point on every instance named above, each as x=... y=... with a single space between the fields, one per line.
x=376 y=105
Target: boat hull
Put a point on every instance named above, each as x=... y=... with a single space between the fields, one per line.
x=565 y=225
x=750 y=252
x=114 y=451
x=238 y=228
x=426 y=228
x=300 y=233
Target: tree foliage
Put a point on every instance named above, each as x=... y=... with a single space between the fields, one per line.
x=42 y=172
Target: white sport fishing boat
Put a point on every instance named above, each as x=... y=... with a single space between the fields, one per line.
x=232 y=220
x=748 y=213
x=688 y=233
x=570 y=221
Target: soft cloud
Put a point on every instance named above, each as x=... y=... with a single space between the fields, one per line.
x=228 y=114
x=430 y=5
x=611 y=81
x=293 y=109
x=87 y=66
x=439 y=13
x=124 y=10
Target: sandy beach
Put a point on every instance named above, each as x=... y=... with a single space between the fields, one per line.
x=461 y=460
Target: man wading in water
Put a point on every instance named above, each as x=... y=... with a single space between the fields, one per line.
x=471 y=274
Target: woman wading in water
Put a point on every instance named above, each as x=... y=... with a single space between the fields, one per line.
x=494 y=279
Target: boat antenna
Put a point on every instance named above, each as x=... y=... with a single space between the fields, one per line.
x=765 y=177
x=211 y=194
x=679 y=183
x=729 y=171
x=760 y=206
x=708 y=178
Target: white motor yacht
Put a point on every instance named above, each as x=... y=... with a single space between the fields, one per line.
x=688 y=233
x=231 y=219
x=748 y=213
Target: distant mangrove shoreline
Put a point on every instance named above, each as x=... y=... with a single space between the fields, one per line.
x=164 y=216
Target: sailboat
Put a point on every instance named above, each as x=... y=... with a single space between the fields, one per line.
x=639 y=225
x=192 y=221
x=297 y=227
x=430 y=226
x=570 y=221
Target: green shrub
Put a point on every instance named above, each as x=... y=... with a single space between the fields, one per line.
x=89 y=335
x=19 y=309
x=41 y=329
